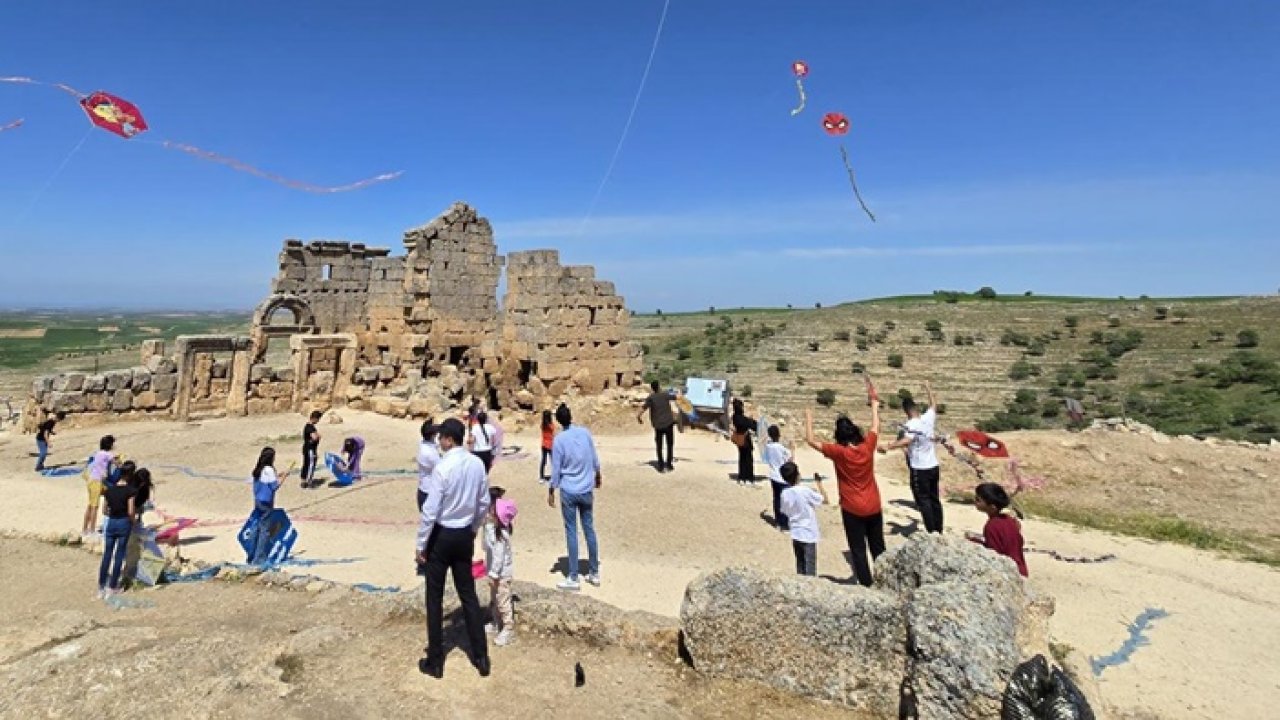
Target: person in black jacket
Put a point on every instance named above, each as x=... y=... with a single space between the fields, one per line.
x=744 y=426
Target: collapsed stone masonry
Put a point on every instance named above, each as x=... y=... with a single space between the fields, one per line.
x=401 y=335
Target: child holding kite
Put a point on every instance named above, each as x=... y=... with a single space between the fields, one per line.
x=1002 y=533
x=854 y=456
x=265 y=485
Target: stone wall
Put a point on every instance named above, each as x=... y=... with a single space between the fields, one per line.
x=332 y=277
x=147 y=389
x=566 y=327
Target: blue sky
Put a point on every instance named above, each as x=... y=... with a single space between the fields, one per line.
x=1090 y=147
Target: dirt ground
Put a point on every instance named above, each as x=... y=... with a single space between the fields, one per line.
x=1213 y=656
x=221 y=650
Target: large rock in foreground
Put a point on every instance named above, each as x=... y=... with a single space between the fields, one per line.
x=937 y=637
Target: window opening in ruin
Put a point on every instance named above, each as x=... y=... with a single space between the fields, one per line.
x=456 y=353
x=528 y=369
x=619 y=377
x=493 y=394
x=284 y=316
x=326 y=272
x=593 y=316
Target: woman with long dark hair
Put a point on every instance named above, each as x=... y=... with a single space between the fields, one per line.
x=743 y=427
x=483 y=437
x=265 y=485
x=854 y=456
x=119 y=501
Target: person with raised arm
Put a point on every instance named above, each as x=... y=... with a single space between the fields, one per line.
x=854 y=456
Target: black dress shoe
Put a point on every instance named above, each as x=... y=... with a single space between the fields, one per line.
x=482 y=665
x=426 y=667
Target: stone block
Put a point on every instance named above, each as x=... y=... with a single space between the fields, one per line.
x=145 y=400
x=95 y=383
x=258 y=373
x=283 y=404
x=399 y=408
x=140 y=379
x=382 y=405
x=159 y=364
x=219 y=369
x=219 y=387
x=320 y=383
x=68 y=402
x=164 y=397
x=167 y=382
x=386 y=373
x=285 y=375
x=369 y=374
x=259 y=406
x=122 y=401
x=150 y=349
x=97 y=402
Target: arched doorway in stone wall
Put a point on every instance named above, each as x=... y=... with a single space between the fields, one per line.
x=297 y=316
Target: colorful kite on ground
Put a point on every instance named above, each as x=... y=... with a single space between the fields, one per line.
x=837 y=125
x=982 y=444
x=800 y=68
x=121 y=117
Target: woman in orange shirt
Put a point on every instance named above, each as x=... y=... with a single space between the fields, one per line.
x=854 y=456
x=548 y=435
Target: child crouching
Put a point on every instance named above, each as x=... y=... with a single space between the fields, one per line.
x=498 y=560
x=1002 y=533
x=798 y=505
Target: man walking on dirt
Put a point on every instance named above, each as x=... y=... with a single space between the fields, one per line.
x=663 y=421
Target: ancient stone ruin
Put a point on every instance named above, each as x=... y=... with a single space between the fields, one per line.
x=350 y=325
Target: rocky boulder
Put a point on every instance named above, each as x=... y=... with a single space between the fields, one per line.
x=938 y=636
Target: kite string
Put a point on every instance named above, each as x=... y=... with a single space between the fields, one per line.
x=849 y=168
x=56 y=173
x=800 y=87
x=11 y=125
x=626 y=128
x=247 y=168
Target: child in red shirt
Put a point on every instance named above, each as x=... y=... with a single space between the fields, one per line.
x=1002 y=533
x=548 y=436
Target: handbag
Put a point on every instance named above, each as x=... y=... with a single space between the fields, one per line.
x=739 y=439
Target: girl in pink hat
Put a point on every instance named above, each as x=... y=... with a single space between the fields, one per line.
x=498 y=560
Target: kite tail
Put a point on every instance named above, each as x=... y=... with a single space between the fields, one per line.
x=295 y=184
x=19 y=80
x=800 y=87
x=12 y=125
x=849 y=168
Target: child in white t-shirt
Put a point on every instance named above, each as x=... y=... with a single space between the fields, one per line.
x=798 y=504
x=775 y=456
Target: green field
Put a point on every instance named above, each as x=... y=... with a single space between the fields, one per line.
x=87 y=335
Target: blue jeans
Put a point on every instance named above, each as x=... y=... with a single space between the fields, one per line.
x=42 y=448
x=260 y=534
x=571 y=506
x=115 y=540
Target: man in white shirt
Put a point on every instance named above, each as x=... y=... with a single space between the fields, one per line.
x=428 y=458
x=454 y=511
x=922 y=459
x=775 y=456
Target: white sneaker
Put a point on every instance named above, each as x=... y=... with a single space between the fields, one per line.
x=490 y=629
x=569 y=584
x=506 y=637
x=594 y=579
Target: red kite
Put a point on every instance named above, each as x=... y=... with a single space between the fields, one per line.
x=113 y=114
x=800 y=68
x=837 y=125
x=982 y=444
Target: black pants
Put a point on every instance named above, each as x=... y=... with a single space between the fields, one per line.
x=861 y=532
x=542 y=467
x=746 y=467
x=806 y=557
x=422 y=497
x=669 y=434
x=778 y=518
x=486 y=457
x=308 y=465
x=450 y=550
x=924 y=490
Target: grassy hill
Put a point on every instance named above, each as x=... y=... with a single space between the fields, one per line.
x=1185 y=365
x=28 y=339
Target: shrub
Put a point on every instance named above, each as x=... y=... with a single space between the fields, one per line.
x=1162 y=312
x=861 y=331
x=1026 y=294
x=957 y=340
x=1072 y=321
x=1217 y=336
x=800 y=380
x=894 y=402
x=1113 y=321
x=826 y=397
x=817 y=306
x=890 y=325
x=684 y=353
x=859 y=368
x=1097 y=337
x=745 y=391
x=942 y=408
x=712 y=310
x=916 y=340
x=861 y=345
x=1050 y=409
x=731 y=368
x=1180 y=315
x=841 y=335
x=895 y=360
x=1247 y=339
x=783 y=365
x=813 y=347
x=1036 y=349
x=933 y=326
x=986 y=293
x=1013 y=337
x=1021 y=370
x=644 y=348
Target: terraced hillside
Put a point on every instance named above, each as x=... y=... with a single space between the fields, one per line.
x=1148 y=357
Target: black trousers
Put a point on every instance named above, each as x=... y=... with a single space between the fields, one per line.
x=450 y=550
x=806 y=557
x=778 y=518
x=308 y=465
x=746 y=466
x=861 y=532
x=924 y=490
x=669 y=434
x=422 y=497
x=486 y=457
x=546 y=458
